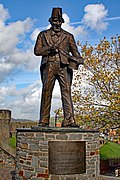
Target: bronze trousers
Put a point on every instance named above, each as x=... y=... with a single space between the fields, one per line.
x=51 y=72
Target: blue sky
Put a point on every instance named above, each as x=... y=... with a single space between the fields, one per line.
x=20 y=23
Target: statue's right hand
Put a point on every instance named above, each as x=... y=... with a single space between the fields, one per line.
x=53 y=48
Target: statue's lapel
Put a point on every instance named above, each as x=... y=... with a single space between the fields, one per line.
x=62 y=37
x=48 y=37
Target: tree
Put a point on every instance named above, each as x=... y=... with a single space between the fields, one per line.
x=96 y=94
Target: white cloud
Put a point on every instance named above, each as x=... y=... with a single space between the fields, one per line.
x=24 y=103
x=12 y=38
x=5 y=69
x=35 y=34
x=94 y=17
x=4 y=15
x=19 y=59
x=77 y=31
x=13 y=34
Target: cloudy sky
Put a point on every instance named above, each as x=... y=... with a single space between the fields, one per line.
x=20 y=23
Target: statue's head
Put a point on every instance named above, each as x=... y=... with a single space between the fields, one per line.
x=56 y=19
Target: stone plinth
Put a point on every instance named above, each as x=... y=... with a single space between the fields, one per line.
x=34 y=147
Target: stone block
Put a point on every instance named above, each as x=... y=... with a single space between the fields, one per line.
x=42 y=175
x=49 y=137
x=54 y=177
x=44 y=158
x=35 y=161
x=33 y=147
x=71 y=177
x=27 y=167
x=90 y=171
x=40 y=169
x=23 y=146
x=62 y=137
x=73 y=136
x=44 y=164
x=21 y=173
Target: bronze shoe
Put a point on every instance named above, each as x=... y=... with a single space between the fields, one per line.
x=74 y=125
x=69 y=123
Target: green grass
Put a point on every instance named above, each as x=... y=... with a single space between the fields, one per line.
x=110 y=150
x=13 y=142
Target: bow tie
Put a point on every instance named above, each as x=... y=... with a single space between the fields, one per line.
x=55 y=34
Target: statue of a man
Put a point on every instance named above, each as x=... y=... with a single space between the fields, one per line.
x=54 y=45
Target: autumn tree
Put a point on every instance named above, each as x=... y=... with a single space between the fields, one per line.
x=95 y=91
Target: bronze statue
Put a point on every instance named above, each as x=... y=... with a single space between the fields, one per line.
x=54 y=45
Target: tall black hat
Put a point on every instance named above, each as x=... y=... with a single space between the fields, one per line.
x=56 y=13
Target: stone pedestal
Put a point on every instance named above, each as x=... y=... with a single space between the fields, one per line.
x=38 y=148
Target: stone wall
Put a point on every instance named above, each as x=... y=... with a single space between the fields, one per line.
x=33 y=152
x=6 y=158
x=21 y=124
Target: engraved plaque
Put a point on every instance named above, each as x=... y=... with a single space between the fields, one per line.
x=67 y=157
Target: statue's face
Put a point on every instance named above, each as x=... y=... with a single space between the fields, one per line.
x=56 y=24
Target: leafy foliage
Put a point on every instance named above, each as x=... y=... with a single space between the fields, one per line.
x=96 y=94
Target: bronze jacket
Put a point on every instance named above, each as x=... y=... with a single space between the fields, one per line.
x=65 y=42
